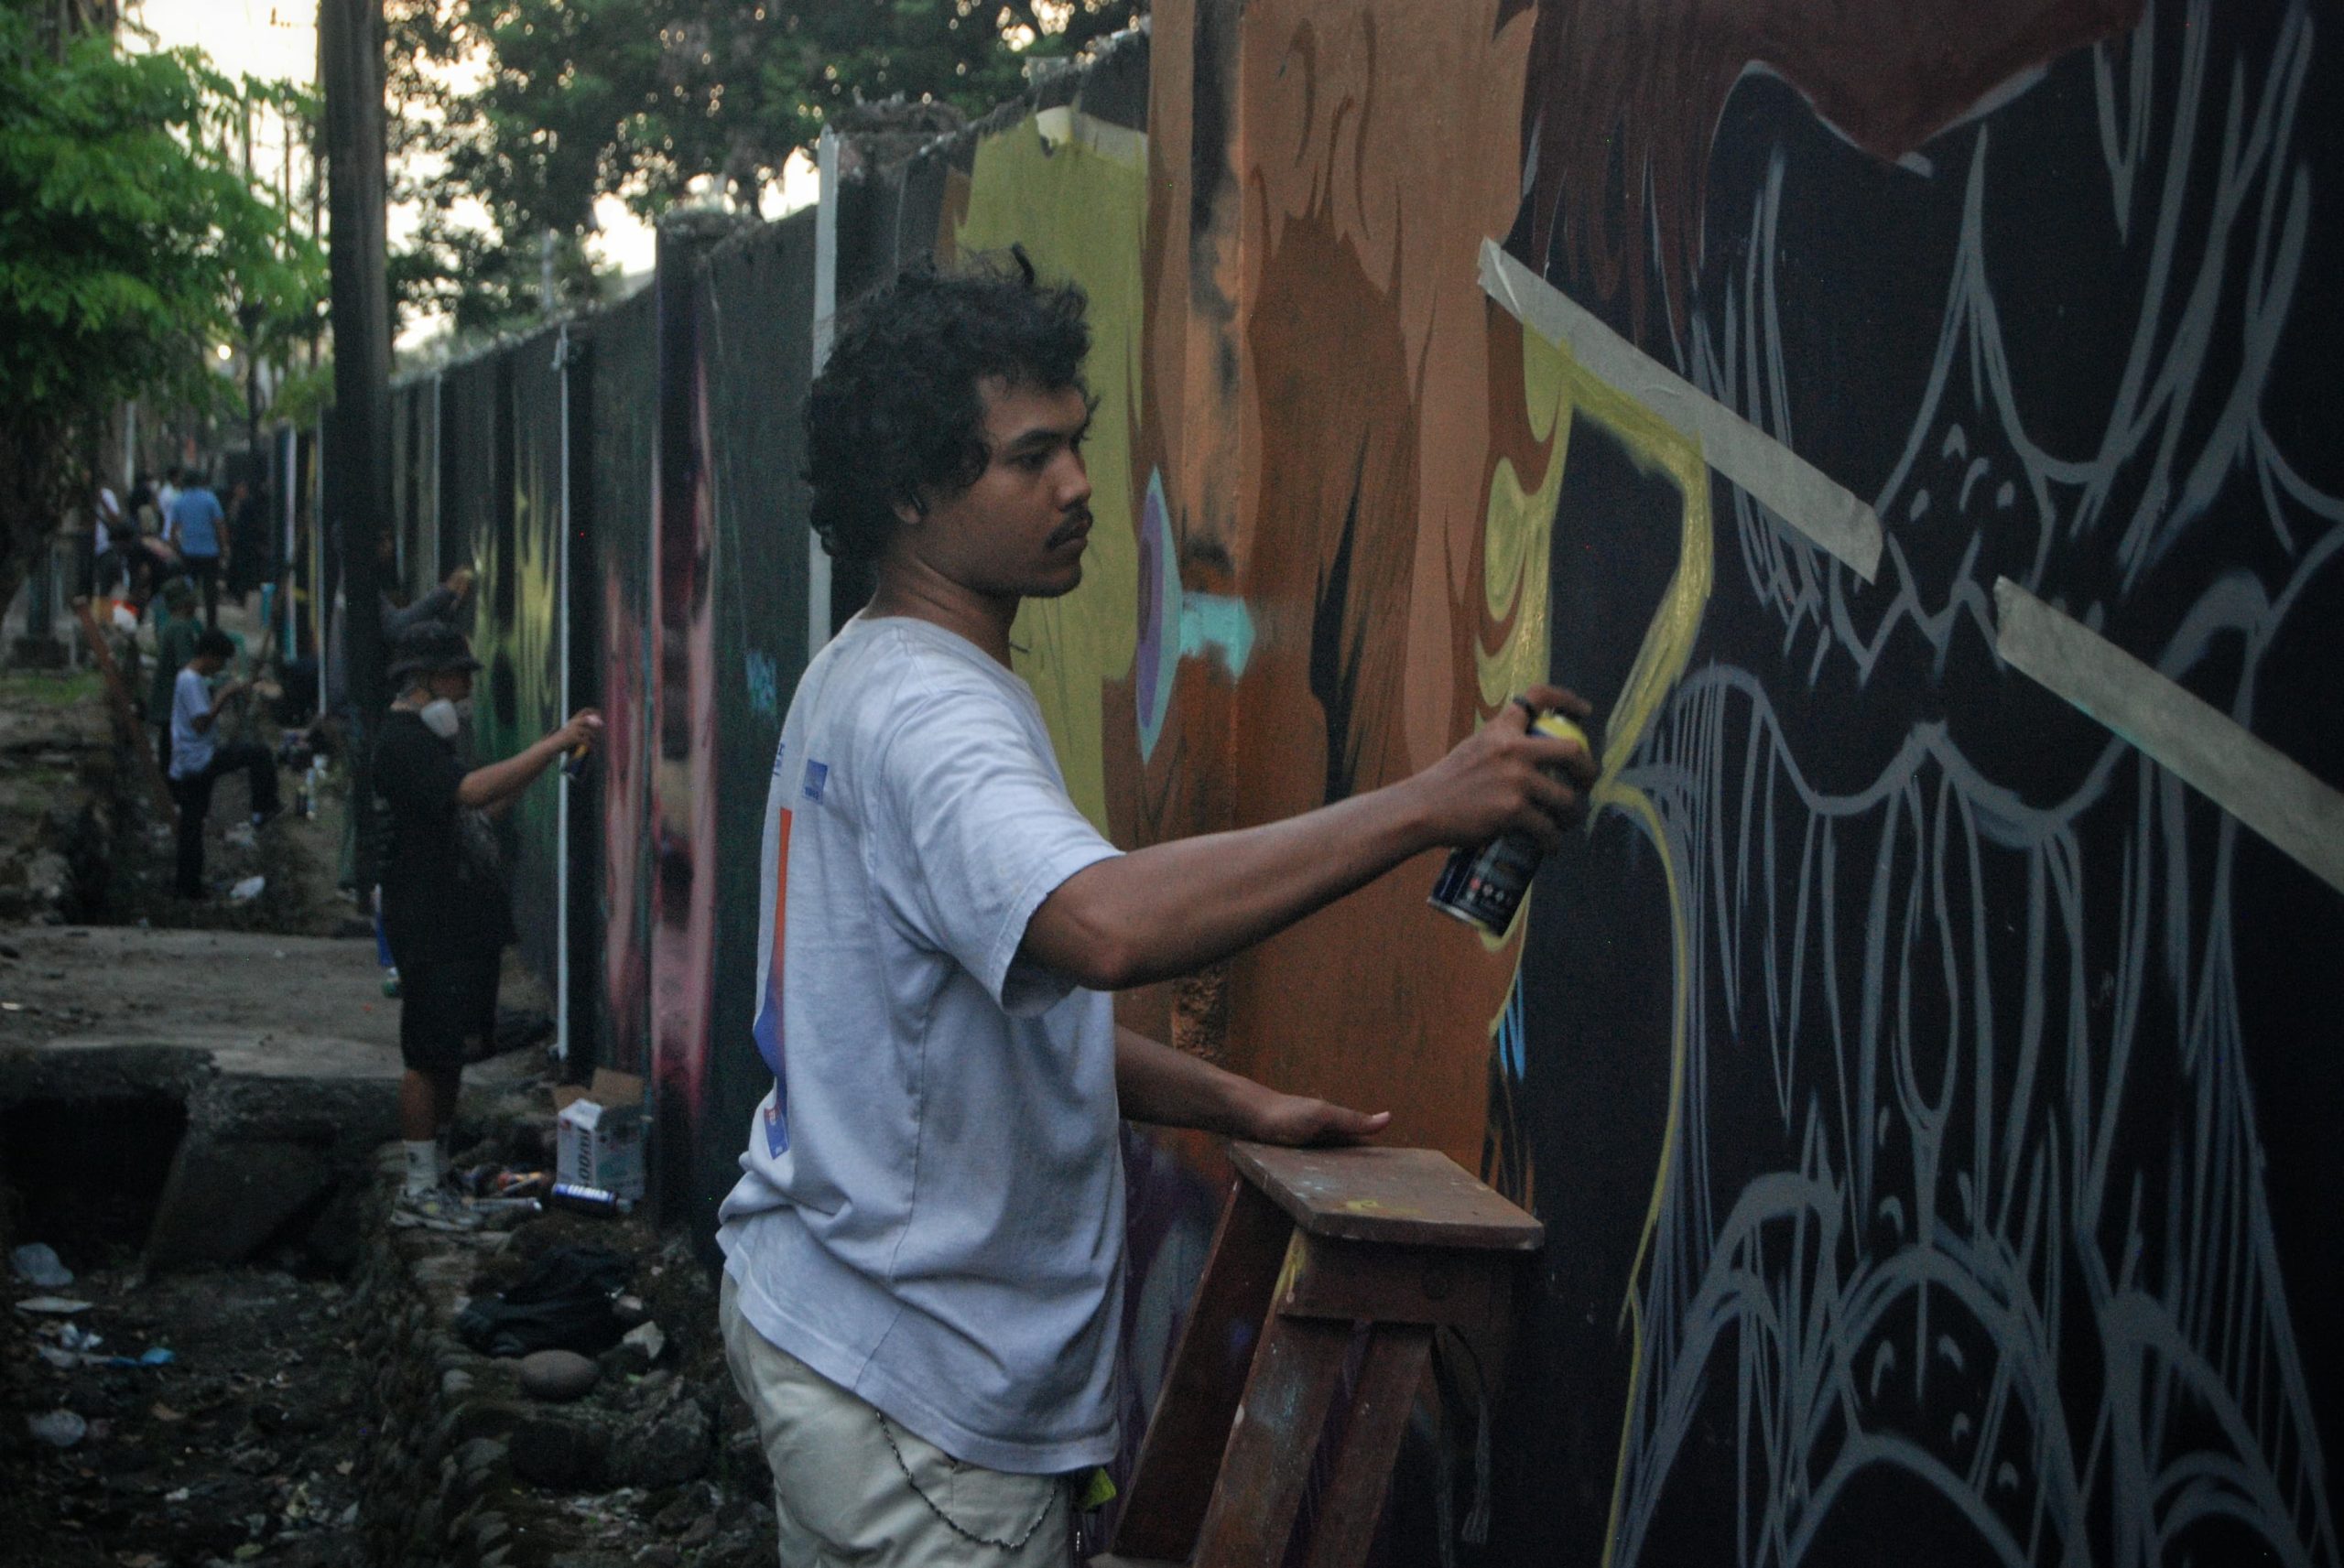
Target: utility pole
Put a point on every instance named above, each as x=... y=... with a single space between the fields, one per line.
x=358 y=452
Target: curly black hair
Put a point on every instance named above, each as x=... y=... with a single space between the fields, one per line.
x=897 y=410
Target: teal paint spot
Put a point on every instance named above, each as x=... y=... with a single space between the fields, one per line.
x=1175 y=624
x=765 y=685
x=1211 y=622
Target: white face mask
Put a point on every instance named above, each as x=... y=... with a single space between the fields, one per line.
x=443 y=718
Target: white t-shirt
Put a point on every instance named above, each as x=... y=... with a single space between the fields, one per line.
x=192 y=748
x=930 y=1212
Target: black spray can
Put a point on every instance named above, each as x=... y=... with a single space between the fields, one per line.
x=1485 y=887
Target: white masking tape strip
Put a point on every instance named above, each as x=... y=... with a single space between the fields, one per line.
x=1119 y=144
x=2203 y=746
x=1778 y=479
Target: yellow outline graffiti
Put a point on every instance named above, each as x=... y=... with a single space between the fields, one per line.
x=1517 y=544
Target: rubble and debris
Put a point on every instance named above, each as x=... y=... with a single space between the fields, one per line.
x=37 y=1263
x=646 y=1338
x=557 y=1376
x=58 y=1428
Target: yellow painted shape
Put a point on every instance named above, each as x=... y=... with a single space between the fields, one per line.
x=1518 y=548
x=1290 y=1270
x=1077 y=203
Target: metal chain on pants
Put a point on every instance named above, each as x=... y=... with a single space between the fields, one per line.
x=1049 y=1501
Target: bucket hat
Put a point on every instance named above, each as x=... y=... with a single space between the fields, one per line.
x=432 y=648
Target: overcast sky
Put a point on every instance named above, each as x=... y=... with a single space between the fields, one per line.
x=279 y=39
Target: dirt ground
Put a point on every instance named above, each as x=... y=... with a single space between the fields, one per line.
x=238 y=1450
x=126 y=981
x=239 y=1447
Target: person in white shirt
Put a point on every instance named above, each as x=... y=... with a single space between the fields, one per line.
x=924 y=1253
x=197 y=760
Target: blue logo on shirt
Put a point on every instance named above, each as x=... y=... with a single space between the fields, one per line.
x=780 y=754
x=817 y=775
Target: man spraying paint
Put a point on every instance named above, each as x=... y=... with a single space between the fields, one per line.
x=444 y=907
x=924 y=1253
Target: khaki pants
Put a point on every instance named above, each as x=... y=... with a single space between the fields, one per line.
x=845 y=1496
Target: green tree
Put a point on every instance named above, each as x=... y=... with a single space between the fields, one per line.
x=535 y=108
x=131 y=245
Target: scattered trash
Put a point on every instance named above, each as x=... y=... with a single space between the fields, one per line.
x=55 y=1306
x=75 y=1338
x=599 y=1136
x=240 y=837
x=497 y=1182
x=646 y=1337
x=248 y=890
x=12 y=1007
x=37 y=1263
x=58 y=1428
x=588 y=1200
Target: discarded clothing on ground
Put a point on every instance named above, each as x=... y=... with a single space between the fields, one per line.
x=563 y=1302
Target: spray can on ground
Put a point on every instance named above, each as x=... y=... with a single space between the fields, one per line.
x=592 y=1200
x=1485 y=886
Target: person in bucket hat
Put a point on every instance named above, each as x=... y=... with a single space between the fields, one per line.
x=444 y=907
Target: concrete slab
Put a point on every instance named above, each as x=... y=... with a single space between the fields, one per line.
x=282 y=1050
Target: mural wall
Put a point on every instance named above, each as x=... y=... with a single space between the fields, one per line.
x=516 y=631
x=1964 y=1182
x=1926 y=1083
x=614 y=622
x=752 y=303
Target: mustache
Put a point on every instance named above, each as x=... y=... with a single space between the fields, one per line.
x=1078 y=522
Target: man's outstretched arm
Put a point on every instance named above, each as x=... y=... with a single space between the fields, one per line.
x=1158 y=1085
x=1170 y=909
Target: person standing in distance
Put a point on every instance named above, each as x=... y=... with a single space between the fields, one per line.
x=445 y=910
x=195 y=523
x=924 y=1255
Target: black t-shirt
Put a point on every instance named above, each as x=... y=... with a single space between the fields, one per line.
x=444 y=895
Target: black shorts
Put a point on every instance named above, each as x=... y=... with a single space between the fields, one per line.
x=447 y=1011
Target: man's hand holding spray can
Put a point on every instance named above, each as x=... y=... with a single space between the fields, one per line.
x=1484 y=884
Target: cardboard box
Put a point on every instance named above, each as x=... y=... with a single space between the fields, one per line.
x=600 y=1130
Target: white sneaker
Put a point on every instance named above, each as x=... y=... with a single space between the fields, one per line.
x=435 y=1209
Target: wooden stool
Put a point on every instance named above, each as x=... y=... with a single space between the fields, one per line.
x=1313 y=1241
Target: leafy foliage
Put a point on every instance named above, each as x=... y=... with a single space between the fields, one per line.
x=131 y=243
x=534 y=109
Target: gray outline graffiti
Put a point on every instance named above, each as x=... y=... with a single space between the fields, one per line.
x=1955 y=1198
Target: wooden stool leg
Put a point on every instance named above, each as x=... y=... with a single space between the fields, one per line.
x=1181 y=1454
x=1276 y=1438
x=1397 y=1354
